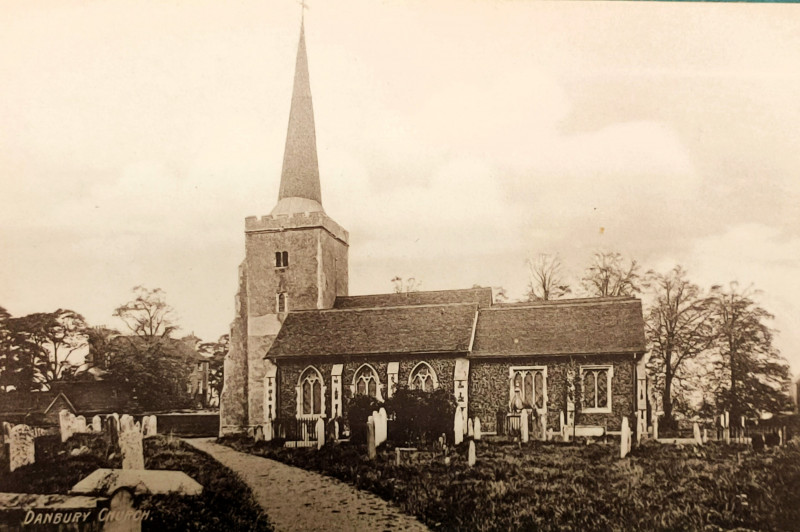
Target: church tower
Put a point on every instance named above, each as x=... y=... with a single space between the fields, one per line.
x=295 y=259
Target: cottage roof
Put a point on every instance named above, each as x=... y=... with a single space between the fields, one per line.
x=441 y=329
x=481 y=296
x=564 y=327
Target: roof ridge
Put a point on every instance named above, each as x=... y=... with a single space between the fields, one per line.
x=419 y=292
x=563 y=303
x=362 y=309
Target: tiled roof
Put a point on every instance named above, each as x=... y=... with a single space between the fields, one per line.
x=481 y=296
x=25 y=402
x=587 y=326
x=383 y=330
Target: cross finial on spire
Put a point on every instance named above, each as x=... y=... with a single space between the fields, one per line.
x=303 y=7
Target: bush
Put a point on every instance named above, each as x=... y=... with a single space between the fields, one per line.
x=421 y=417
x=359 y=408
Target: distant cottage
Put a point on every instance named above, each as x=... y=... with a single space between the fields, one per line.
x=298 y=341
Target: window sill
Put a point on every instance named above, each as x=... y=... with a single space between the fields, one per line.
x=595 y=411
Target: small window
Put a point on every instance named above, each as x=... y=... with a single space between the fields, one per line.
x=365 y=382
x=281 y=259
x=282 y=305
x=596 y=392
x=423 y=378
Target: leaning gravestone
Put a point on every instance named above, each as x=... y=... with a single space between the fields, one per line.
x=130 y=445
x=319 y=428
x=21 y=450
x=371 y=451
x=523 y=426
x=476 y=426
x=625 y=440
x=471 y=453
x=698 y=437
x=458 y=428
x=97 y=424
x=65 y=424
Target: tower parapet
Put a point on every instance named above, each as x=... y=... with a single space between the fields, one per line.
x=300 y=220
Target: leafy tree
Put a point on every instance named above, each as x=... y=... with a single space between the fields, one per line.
x=406 y=285
x=609 y=276
x=155 y=371
x=546 y=278
x=748 y=374
x=57 y=336
x=148 y=315
x=216 y=351
x=678 y=329
x=103 y=343
x=419 y=416
x=151 y=364
x=17 y=355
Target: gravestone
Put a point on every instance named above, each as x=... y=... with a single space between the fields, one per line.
x=382 y=427
x=698 y=437
x=80 y=424
x=336 y=429
x=523 y=426
x=65 y=424
x=97 y=424
x=705 y=435
x=625 y=439
x=470 y=428
x=130 y=445
x=641 y=428
x=112 y=432
x=6 y=431
x=21 y=450
x=458 y=428
x=269 y=433
x=320 y=430
x=655 y=427
x=113 y=418
x=258 y=434
x=126 y=423
x=471 y=454
x=371 y=451
x=153 y=426
x=477 y=428
x=725 y=420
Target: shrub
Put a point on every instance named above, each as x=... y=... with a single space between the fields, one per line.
x=420 y=417
x=359 y=408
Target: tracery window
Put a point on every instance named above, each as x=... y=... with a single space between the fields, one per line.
x=528 y=387
x=311 y=392
x=596 y=388
x=423 y=378
x=366 y=382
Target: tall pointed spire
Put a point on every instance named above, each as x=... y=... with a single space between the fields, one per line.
x=300 y=189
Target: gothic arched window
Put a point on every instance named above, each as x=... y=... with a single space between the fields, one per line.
x=423 y=378
x=311 y=400
x=528 y=387
x=366 y=382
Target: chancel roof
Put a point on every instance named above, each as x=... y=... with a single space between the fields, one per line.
x=564 y=327
x=380 y=330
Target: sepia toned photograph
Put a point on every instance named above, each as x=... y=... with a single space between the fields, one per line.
x=306 y=265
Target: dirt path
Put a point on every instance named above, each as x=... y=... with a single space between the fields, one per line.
x=295 y=499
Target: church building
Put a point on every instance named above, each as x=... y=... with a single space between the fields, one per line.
x=300 y=343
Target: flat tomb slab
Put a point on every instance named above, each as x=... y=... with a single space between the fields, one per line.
x=53 y=501
x=140 y=481
x=590 y=431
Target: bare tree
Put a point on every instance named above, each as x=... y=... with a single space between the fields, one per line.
x=148 y=315
x=679 y=328
x=406 y=285
x=546 y=279
x=608 y=276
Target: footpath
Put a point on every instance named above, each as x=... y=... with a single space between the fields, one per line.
x=295 y=499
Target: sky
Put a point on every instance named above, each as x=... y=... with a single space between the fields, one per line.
x=455 y=138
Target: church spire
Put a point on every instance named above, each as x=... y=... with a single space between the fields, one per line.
x=300 y=189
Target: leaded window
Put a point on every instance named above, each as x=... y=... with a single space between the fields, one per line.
x=596 y=388
x=365 y=382
x=423 y=378
x=528 y=387
x=310 y=390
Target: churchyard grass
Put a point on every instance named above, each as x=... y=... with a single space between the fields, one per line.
x=226 y=503
x=548 y=486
